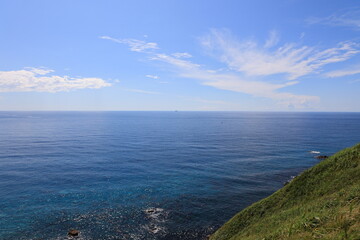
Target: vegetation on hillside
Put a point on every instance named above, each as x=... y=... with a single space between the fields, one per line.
x=321 y=203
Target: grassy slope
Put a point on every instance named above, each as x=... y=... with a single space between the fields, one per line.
x=321 y=203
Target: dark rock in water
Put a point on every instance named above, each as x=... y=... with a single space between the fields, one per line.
x=321 y=157
x=73 y=232
x=150 y=210
x=154 y=229
x=154 y=212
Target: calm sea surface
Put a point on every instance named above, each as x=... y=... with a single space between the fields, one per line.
x=151 y=175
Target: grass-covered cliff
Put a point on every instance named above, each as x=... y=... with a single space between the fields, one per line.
x=321 y=203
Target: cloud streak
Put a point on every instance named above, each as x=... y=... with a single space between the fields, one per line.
x=345 y=18
x=294 y=61
x=182 y=55
x=251 y=67
x=235 y=83
x=152 y=76
x=41 y=80
x=345 y=72
x=134 y=44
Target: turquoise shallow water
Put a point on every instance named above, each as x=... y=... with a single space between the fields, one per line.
x=151 y=175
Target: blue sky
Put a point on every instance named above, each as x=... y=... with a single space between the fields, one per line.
x=282 y=55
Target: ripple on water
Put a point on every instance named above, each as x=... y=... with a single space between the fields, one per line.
x=151 y=175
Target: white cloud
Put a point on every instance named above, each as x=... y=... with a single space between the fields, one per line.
x=249 y=65
x=180 y=63
x=272 y=40
x=345 y=72
x=134 y=44
x=152 y=76
x=182 y=55
x=294 y=61
x=40 y=80
x=233 y=82
x=347 y=18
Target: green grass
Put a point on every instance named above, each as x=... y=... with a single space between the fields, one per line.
x=321 y=203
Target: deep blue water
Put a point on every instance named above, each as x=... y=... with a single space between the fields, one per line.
x=104 y=172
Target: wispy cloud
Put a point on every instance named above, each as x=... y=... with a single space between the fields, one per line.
x=344 y=72
x=250 y=67
x=347 y=17
x=140 y=91
x=272 y=40
x=152 y=76
x=233 y=82
x=182 y=55
x=41 y=80
x=294 y=61
x=180 y=63
x=134 y=44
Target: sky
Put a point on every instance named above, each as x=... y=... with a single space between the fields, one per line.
x=203 y=55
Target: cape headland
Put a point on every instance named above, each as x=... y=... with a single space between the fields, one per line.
x=323 y=202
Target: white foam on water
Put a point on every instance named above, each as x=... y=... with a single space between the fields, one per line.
x=155 y=213
x=156 y=217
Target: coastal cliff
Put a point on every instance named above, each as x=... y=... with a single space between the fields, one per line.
x=323 y=202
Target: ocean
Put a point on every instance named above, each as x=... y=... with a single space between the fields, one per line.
x=151 y=175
